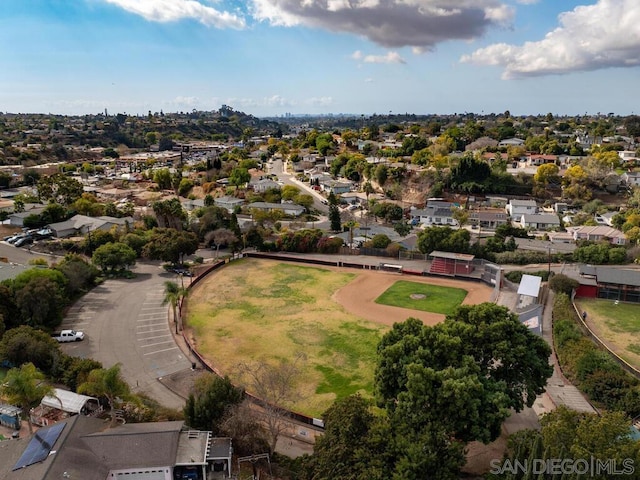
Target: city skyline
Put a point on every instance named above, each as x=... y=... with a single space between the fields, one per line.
x=271 y=57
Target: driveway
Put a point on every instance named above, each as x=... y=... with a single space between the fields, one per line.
x=125 y=322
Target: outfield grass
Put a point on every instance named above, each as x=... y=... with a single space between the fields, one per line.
x=436 y=299
x=267 y=311
x=618 y=325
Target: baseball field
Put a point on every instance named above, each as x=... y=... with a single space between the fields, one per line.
x=328 y=318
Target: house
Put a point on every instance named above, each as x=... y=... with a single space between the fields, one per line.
x=81 y=225
x=488 y=219
x=436 y=212
x=230 y=203
x=190 y=205
x=16 y=219
x=613 y=283
x=80 y=447
x=595 y=234
x=605 y=218
x=560 y=207
x=287 y=208
x=511 y=142
x=263 y=184
x=631 y=179
x=336 y=187
x=543 y=221
x=535 y=160
x=627 y=156
x=517 y=208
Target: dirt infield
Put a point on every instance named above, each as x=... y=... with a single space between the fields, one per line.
x=358 y=297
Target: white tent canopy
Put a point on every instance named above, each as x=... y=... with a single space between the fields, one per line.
x=530 y=285
x=67 y=401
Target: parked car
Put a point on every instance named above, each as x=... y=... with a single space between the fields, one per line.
x=21 y=242
x=68 y=336
x=16 y=237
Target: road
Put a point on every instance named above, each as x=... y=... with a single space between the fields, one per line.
x=277 y=168
x=125 y=322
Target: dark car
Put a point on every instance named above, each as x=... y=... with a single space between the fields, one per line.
x=21 y=242
x=16 y=237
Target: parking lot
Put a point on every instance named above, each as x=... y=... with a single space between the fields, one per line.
x=125 y=322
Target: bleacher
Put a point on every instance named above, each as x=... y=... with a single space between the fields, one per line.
x=442 y=266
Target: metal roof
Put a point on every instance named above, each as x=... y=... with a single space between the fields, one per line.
x=67 y=401
x=452 y=255
x=530 y=285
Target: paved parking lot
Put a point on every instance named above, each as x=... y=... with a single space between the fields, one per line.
x=125 y=322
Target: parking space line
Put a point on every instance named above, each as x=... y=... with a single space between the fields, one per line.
x=157 y=336
x=160 y=351
x=154 y=344
x=148 y=322
x=152 y=331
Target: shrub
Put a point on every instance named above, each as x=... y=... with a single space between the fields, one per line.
x=562 y=284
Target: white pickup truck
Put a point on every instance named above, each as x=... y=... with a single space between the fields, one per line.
x=68 y=336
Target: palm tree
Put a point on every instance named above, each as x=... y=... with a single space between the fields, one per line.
x=174 y=294
x=106 y=383
x=24 y=387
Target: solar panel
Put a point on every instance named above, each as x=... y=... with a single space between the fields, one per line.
x=40 y=446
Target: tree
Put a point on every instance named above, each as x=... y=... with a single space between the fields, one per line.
x=173 y=295
x=162 y=177
x=476 y=365
x=219 y=237
x=289 y=192
x=239 y=176
x=545 y=174
x=59 y=188
x=107 y=383
x=334 y=213
x=275 y=385
x=210 y=401
x=25 y=344
x=40 y=302
x=346 y=449
x=114 y=256
x=25 y=387
x=402 y=228
x=170 y=213
x=380 y=241
x=562 y=283
x=304 y=199
x=382 y=174
x=170 y=245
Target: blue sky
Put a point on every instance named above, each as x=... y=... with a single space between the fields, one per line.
x=269 y=57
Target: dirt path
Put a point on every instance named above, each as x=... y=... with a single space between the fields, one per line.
x=358 y=297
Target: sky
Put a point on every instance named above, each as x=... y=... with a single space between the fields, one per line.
x=272 y=57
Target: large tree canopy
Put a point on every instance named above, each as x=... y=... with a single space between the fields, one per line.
x=465 y=373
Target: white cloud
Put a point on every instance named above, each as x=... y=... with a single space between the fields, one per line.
x=173 y=10
x=368 y=80
x=527 y=2
x=590 y=37
x=390 y=57
x=390 y=23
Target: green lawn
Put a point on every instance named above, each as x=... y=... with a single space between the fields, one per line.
x=435 y=299
x=261 y=310
x=617 y=325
